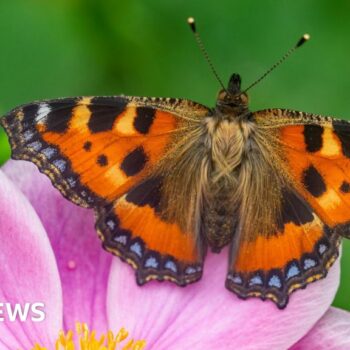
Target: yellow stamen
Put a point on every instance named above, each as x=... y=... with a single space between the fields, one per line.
x=88 y=340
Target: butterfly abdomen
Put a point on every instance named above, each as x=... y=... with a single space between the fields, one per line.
x=218 y=218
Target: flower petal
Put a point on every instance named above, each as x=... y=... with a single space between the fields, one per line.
x=28 y=272
x=332 y=331
x=83 y=265
x=206 y=315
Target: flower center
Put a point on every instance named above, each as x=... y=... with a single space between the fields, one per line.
x=88 y=340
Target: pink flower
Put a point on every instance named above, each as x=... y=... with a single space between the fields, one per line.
x=50 y=253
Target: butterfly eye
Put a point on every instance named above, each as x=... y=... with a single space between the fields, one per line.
x=222 y=95
x=244 y=98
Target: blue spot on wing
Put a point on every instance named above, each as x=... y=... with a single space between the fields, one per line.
x=293 y=271
x=275 y=281
x=136 y=248
x=256 y=280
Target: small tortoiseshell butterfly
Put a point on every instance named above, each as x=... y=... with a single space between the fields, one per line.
x=169 y=177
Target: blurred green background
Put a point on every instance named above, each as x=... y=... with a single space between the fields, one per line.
x=74 y=47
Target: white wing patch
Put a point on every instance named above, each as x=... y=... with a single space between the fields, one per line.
x=43 y=111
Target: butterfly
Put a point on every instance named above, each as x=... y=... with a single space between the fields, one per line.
x=170 y=178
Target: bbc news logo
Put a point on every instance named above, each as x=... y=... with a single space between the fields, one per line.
x=12 y=312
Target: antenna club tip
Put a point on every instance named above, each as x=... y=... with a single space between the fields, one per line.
x=303 y=40
x=192 y=24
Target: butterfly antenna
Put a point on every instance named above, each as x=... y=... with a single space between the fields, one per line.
x=192 y=25
x=301 y=41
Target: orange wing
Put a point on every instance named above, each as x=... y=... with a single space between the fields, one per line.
x=323 y=172
x=134 y=229
x=315 y=154
x=300 y=251
x=94 y=149
x=100 y=152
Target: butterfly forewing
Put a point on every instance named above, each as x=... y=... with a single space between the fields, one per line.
x=317 y=158
x=94 y=148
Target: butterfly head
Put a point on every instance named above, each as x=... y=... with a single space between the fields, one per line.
x=232 y=100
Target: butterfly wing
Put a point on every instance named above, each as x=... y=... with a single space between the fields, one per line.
x=300 y=251
x=134 y=228
x=101 y=152
x=315 y=156
x=94 y=149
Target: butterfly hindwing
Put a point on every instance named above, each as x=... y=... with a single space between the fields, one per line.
x=299 y=251
x=94 y=149
x=134 y=228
